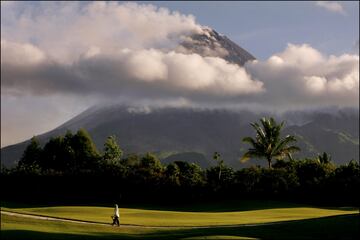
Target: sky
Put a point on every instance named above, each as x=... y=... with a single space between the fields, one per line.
x=59 y=58
x=265 y=27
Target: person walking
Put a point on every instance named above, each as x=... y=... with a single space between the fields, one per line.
x=116 y=216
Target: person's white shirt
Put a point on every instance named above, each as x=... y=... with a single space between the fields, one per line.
x=116 y=213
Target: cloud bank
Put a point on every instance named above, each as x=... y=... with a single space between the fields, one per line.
x=66 y=31
x=128 y=72
x=331 y=6
x=73 y=55
x=302 y=76
x=131 y=50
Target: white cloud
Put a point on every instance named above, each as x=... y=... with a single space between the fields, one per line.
x=131 y=72
x=298 y=76
x=315 y=84
x=106 y=26
x=331 y=6
x=127 y=46
x=125 y=52
x=16 y=53
x=111 y=49
x=301 y=75
x=299 y=55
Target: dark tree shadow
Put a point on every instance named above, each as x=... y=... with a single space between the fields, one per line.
x=334 y=227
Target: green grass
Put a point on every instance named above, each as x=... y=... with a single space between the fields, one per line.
x=294 y=221
x=221 y=206
x=14 y=227
x=222 y=237
x=133 y=216
x=334 y=227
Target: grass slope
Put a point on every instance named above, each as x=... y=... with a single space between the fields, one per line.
x=334 y=227
x=133 y=216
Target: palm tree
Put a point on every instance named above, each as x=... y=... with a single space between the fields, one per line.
x=220 y=162
x=268 y=142
x=324 y=158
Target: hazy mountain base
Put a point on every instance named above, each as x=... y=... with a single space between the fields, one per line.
x=194 y=134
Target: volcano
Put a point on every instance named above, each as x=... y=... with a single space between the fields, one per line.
x=193 y=135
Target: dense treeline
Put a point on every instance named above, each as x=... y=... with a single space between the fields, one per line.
x=71 y=168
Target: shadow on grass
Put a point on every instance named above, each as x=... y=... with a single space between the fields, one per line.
x=35 y=235
x=222 y=206
x=335 y=227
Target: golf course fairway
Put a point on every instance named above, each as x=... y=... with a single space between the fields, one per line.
x=137 y=223
x=143 y=217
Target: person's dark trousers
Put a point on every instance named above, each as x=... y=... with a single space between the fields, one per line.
x=116 y=221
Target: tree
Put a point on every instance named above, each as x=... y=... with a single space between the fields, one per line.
x=68 y=153
x=268 y=142
x=324 y=158
x=85 y=153
x=219 y=161
x=246 y=179
x=191 y=175
x=172 y=173
x=112 y=152
x=32 y=154
x=150 y=167
x=147 y=172
x=51 y=157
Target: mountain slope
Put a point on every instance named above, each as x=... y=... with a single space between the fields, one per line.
x=178 y=130
x=212 y=44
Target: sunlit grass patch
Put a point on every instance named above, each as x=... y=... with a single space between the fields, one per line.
x=131 y=216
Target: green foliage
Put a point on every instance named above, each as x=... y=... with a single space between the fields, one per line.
x=150 y=168
x=150 y=161
x=71 y=153
x=143 y=175
x=226 y=180
x=131 y=160
x=221 y=176
x=345 y=180
x=86 y=155
x=311 y=173
x=324 y=158
x=220 y=163
x=112 y=152
x=247 y=179
x=277 y=181
x=268 y=143
x=191 y=175
x=55 y=155
x=172 y=175
x=32 y=155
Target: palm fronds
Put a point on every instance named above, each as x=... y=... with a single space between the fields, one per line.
x=268 y=143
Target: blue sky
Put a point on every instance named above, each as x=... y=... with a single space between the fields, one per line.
x=264 y=28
